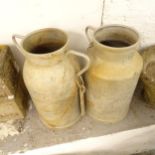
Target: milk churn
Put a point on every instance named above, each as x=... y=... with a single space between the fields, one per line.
x=114 y=72
x=52 y=76
x=148 y=75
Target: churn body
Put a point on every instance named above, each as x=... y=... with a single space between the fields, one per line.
x=113 y=74
x=52 y=77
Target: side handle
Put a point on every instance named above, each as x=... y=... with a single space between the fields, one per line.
x=80 y=82
x=85 y=57
x=14 y=39
x=89 y=31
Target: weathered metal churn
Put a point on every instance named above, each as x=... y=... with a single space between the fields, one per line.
x=52 y=76
x=148 y=75
x=114 y=72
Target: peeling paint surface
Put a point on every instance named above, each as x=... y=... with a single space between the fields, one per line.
x=7 y=129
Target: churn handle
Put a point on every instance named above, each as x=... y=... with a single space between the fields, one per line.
x=14 y=37
x=83 y=56
x=87 y=32
x=80 y=81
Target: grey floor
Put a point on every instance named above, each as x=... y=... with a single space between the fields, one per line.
x=34 y=134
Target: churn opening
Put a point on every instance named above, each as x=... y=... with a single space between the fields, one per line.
x=116 y=36
x=45 y=41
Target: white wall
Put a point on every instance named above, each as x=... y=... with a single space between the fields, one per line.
x=23 y=16
x=139 y=14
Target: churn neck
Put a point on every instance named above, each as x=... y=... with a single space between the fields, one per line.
x=49 y=59
x=115 y=54
x=116 y=43
x=45 y=47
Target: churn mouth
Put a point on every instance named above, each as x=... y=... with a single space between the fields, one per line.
x=45 y=41
x=116 y=36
